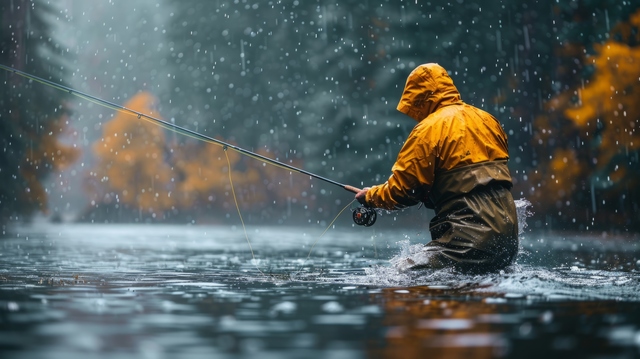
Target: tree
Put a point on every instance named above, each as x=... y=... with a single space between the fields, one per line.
x=132 y=174
x=33 y=118
x=317 y=81
x=320 y=81
x=208 y=176
x=599 y=170
x=140 y=174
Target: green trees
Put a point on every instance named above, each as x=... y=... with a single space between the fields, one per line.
x=320 y=81
x=142 y=174
x=32 y=117
x=317 y=83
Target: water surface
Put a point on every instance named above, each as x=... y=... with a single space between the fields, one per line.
x=160 y=291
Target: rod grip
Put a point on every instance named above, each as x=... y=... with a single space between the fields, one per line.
x=352 y=189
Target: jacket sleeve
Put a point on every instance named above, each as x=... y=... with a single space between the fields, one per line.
x=411 y=178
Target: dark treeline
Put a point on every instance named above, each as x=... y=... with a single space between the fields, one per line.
x=32 y=117
x=317 y=83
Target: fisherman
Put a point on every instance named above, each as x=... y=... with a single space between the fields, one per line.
x=455 y=162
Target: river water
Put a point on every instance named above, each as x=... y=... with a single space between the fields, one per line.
x=161 y=291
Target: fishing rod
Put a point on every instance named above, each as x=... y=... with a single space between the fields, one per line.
x=362 y=215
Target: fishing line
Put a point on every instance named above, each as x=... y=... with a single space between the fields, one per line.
x=329 y=226
x=321 y=235
x=361 y=216
x=173 y=127
x=244 y=228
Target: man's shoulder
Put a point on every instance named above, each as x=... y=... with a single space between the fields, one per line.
x=481 y=112
x=443 y=116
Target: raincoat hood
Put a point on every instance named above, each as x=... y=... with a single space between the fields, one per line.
x=428 y=88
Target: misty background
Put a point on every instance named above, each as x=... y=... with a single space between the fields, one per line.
x=314 y=84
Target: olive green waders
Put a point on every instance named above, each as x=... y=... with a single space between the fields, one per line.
x=476 y=225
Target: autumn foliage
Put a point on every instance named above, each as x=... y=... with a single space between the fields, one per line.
x=130 y=171
x=590 y=136
x=34 y=119
x=141 y=174
x=47 y=154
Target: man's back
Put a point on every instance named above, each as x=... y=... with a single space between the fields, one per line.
x=454 y=161
x=462 y=135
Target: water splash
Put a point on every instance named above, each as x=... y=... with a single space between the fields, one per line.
x=410 y=256
x=414 y=255
x=523 y=207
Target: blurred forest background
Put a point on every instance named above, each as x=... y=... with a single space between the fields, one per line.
x=314 y=84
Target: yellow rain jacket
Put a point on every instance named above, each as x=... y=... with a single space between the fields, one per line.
x=454 y=161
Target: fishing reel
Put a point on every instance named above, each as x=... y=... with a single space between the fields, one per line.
x=365 y=216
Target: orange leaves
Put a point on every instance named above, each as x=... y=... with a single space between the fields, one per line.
x=59 y=155
x=628 y=31
x=613 y=92
x=559 y=179
x=609 y=109
x=47 y=153
x=565 y=171
x=139 y=169
x=131 y=162
x=591 y=132
x=204 y=173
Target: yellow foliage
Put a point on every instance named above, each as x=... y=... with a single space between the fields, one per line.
x=609 y=105
x=628 y=31
x=138 y=169
x=565 y=171
x=204 y=173
x=131 y=159
x=558 y=178
x=610 y=94
x=59 y=155
x=48 y=152
x=205 y=178
x=603 y=116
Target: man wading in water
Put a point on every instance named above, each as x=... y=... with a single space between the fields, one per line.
x=455 y=162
